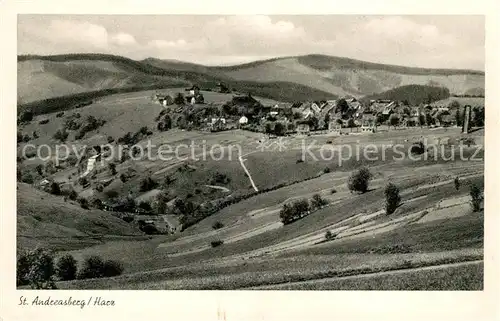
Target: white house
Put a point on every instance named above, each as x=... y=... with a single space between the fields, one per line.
x=303 y=129
x=243 y=120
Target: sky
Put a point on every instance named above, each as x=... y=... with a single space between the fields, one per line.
x=419 y=41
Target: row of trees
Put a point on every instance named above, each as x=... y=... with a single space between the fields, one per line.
x=37 y=268
x=300 y=208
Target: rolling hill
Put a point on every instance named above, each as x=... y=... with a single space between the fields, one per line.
x=61 y=81
x=47 y=220
x=343 y=76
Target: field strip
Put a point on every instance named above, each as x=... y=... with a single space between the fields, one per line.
x=222 y=188
x=367 y=275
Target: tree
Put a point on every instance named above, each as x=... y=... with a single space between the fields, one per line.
x=313 y=122
x=36 y=268
x=454 y=104
x=317 y=201
x=93 y=268
x=326 y=121
x=342 y=106
x=477 y=197
x=97 y=203
x=66 y=268
x=61 y=135
x=112 y=168
x=279 y=129
x=160 y=203
x=329 y=235
x=55 y=189
x=147 y=184
x=217 y=225
x=456 y=181
x=458 y=117
x=83 y=203
x=359 y=180
x=429 y=120
x=39 y=169
x=478 y=117
x=112 y=268
x=392 y=198
x=394 y=120
x=351 y=123
x=179 y=99
x=421 y=120
x=145 y=206
x=268 y=128
x=26 y=116
x=73 y=195
x=167 y=122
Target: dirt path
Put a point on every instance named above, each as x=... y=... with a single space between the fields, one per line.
x=247 y=172
x=291 y=285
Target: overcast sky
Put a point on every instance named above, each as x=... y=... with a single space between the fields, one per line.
x=423 y=41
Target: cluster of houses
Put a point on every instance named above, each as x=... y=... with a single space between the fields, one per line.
x=333 y=115
x=329 y=115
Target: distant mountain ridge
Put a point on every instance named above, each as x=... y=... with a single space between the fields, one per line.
x=310 y=77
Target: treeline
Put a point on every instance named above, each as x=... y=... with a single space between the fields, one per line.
x=51 y=105
x=39 y=269
x=414 y=94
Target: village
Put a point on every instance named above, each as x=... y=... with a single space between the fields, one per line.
x=342 y=116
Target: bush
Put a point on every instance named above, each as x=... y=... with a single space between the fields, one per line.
x=111 y=194
x=333 y=191
x=55 y=189
x=110 y=139
x=329 y=236
x=219 y=178
x=73 y=195
x=179 y=99
x=326 y=170
x=147 y=184
x=217 y=225
x=149 y=229
x=26 y=116
x=359 y=181
x=112 y=168
x=66 y=268
x=216 y=243
x=97 y=203
x=145 y=206
x=417 y=148
x=477 y=197
x=83 y=181
x=27 y=178
x=123 y=178
x=392 y=198
x=128 y=219
x=36 y=268
x=112 y=268
x=61 y=135
x=83 y=203
x=59 y=115
x=93 y=268
x=44 y=121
